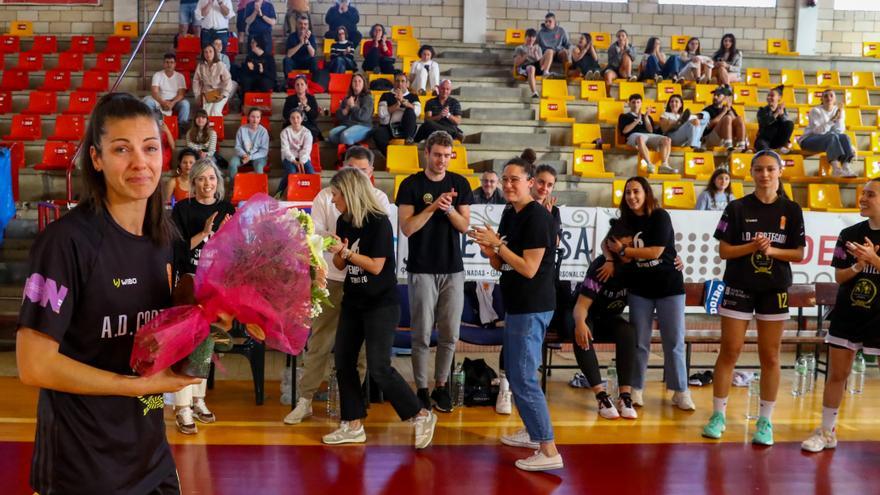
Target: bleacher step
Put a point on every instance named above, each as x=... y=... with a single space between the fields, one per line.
x=518 y=140
x=521 y=114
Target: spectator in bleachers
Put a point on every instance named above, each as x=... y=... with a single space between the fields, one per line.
x=653 y=284
x=679 y=125
x=187 y=18
x=211 y=83
x=774 y=125
x=488 y=193
x=554 y=42
x=425 y=72
x=213 y=17
x=728 y=61
x=355 y=114
x=529 y=62
x=342 y=53
x=718 y=192
x=301 y=49
x=694 y=67
x=542 y=192
x=296 y=149
x=202 y=139
x=224 y=59
x=621 y=57
x=295 y=10
x=168 y=92
x=241 y=19
x=303 y=101
x=258 y=72
x=260 y=17
x=725 y=125
x=638 y=129
x=434 y=210
x=442 y=113
x=826 y=132
x=584 y=59
x=343 y=14
x=656 y=65
x=177 y=187
x=398 y=111
x=377 y=51
x=251 y=145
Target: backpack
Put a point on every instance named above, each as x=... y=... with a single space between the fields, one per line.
x=381 y=85
x=478 y=388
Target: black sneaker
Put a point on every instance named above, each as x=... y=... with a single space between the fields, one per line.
x=442 y=399
x=424 y=398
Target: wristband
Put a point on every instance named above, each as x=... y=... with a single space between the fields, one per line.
x=855 y=268
x=497 y=249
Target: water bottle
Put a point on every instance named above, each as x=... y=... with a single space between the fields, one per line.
x=857 y=376
x=332 y=395
x=754 y=398
x=811 y=371
x=611 y=385
x=458 y=386
x=799 y=381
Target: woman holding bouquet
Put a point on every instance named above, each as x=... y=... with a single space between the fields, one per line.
x=82 y=305
x=369 y=311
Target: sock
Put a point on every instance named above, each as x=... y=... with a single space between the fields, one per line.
x=766 y=409
x=504 y=386
x=829 y=418
x=719 y=405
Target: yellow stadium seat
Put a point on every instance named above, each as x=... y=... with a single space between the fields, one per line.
x=515 y=36
x=398 y=32
x=666 y=89
x=128 y=29
x=875 y=142
x=593 y=91
x=871 y=49
x=814 y=95
x=655 y=159
x=678 y=42
x=737 y=189
x=628 y=88
x=402 y=159
x=424 y=99
x=398 y=179
x=328 y=42
x=590 y=163
x=377 y=95
x=793 y=77
x=459 y=161
x=826 y=176
x=654 y=109
x=798 y=132
x=407 y=47
x=788 y=97
x=703 y=93
x=794 y=170
x=746 y=94
x=828 y=78
x=826 y=197
x=863 y=79
x=858 y=97
x=601 y=41
x=585 y=136
x=679 y=195
x=473 y=181
x=788 y=190
x=553 y=110
x=21 y=28
x=872 y=166
x=778 y=46
x=556 y=89
x=803 y=116
x=853 y=119
x=610 y=110
x=694 y=106
x=406 y=65
x=759 y=77
x=698 y=165
x=617 y=191
x=740 y=166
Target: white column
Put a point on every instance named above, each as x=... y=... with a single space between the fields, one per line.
x=806 y=29
x=474 y=21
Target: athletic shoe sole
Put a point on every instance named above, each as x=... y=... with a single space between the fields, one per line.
x=522 y=445
x=359 y=439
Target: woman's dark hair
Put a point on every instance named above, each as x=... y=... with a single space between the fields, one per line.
x=780 y=90
x=588 y=37
x=627 y=214
x=527 y=167
x=261 y=43
x=686 y=45
x=540 y=169
x=652 y=44
x=344 y=30
x=186 y=152
x=726 y=55
x=196 y=135
x=373 y=29
x=365 y=91
x=429 y=48
x=680 y=100
x=711 y=185
x=119 y=106
x=529 y=155
x=618 y=229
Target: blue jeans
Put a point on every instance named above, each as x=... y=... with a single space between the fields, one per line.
x=522 y=337
x=181 y=107
x=187 y=14
x=291 y=168
x=667 y=70
x=836 y=146
x=258 y=163
x=208 y=35
x=349 y=135
x=670 y=315
x=689 y=134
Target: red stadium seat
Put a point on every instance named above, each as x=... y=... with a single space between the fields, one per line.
x=189 y=44
x=9 y=44
x=95 y=80
x=118 y=44
x=70 y=61
x=172 y=124
x=30 y=61
x=5 y=102
x=302 y=187
x=108 y=62
x=81 y=103
x=339 y=83
x=186 y=62
x=56 y=155
x=232 y=47
x=263 y=101
x=56 y=80
x=187 y=78
x=216 y=123
x=41 y=103
x=45 y=44
x=248 y=184
x=335 y=100
x=15 y=80
x=68 y=128
x=25 y=128
x=315 y=157
x=82 y=44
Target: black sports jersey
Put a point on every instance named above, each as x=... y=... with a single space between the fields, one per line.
x=530 y=228
x=781 y=221
x=92 y=285
x=857 y=307
x=609 y=297
x=374 y=239
x=653 y=278
x=190 y=216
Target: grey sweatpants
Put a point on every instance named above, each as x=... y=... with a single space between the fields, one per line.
x=434 y=299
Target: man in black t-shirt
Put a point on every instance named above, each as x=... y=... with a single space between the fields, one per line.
x=725 y=125
x=434 y=210
x=398 y=111
x=442 y=113
x=301 y=49
x=638 y=129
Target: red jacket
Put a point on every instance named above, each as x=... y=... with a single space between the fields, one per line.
x=370 y=45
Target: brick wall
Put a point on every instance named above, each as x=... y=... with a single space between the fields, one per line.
x=842 y=32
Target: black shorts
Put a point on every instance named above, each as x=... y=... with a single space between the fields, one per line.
x=865 y=338
x=768 y=305
x=537 y=65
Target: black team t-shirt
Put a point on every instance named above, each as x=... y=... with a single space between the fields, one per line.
x=654 y=278
x=190 y=216
x=628 y=118
x=436 y=247
x=374 y=239
x=781 y=221
x=435 y=108
x=91 y=286
x=609 y=297
x=857 y=309
x=390 y=98
x=531 y=228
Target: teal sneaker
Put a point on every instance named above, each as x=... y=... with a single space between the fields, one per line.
x=716 y=426
x=764 y=432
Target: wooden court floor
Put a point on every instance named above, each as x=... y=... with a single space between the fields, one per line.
x=250 y=451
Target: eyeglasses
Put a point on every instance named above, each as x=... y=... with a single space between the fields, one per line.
x=513 y=179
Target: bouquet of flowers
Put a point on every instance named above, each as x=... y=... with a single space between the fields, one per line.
x=263 y=268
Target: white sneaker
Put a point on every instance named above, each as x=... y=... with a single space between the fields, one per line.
x=540 y=462
x=606 y=407
x=201 y=411
x=302 y=411
x=503 y=403
x=667 y=169
x=647 y=166
x=520 y=439
x=822 y=439
x=345 y=434
x=845 y=171
x=424 y=429
x=627 y=409
x=185 y=422
x=637 y=399
x=683 y=401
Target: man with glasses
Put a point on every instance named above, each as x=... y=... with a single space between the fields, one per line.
x=488 y=193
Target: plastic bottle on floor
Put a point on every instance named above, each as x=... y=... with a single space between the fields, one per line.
x=857 y=376
x=799 y=381
x=458 y=386
x=754 y=398
x=811 y=371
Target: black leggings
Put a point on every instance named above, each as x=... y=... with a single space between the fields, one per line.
x=614 y=330
x=774 y=136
